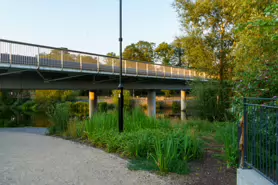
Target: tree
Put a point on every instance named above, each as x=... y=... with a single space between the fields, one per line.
x=141 y=51
x=109 y=60
x=164 y=52
x=209 y=23
x=257 y=48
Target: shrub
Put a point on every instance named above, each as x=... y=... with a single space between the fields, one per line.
x=80 y=109
x=160 y=105
x=211 y=101
x=59 y=116
x=103 y=106
x=127 y=98
x=176 y=107
x=228 y=135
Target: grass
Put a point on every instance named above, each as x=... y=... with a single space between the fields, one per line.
x=150 y=144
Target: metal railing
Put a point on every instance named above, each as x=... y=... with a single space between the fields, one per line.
x=261 y=136
x=26 y=55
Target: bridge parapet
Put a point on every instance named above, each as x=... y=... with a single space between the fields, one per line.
x=22 y=55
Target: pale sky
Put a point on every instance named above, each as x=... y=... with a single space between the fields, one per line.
x=88 y=25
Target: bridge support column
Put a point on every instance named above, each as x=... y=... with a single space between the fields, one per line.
x=152 y=103
x=183 y=105
x=93 y=106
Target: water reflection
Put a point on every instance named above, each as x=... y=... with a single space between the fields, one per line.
x=14 y=118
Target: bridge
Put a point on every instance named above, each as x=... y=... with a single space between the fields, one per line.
x=31 y=66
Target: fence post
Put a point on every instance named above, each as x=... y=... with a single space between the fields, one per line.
x=164 y=71
x=62 y=59
x=98 y=64
x=137 y=68
x=245 y=130
x=171 y=72
x=147 y=69
x=0 y=52
x=10 y=56
x=113 y=66
x=80 y=60
x=125 y=66
x=38 y=58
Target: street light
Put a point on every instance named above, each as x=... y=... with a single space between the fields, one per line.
x=121 y=87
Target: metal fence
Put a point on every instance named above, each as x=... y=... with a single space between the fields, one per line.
x=26 y=55
x=261 y=136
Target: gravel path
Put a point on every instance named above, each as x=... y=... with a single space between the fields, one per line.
x=33 y=159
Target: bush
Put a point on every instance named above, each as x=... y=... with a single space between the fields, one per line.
x=127 y=98
x=228 y=135
x=145 y=137
x=102 y=107
x=211 y=101
x=160 y=105
x=59 y=116
x=176 y=107
x=79 y=109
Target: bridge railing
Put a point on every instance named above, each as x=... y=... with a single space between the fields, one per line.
x=26 y=55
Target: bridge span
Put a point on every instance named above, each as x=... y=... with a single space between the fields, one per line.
x=31 y=66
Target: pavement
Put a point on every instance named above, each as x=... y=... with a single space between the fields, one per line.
x=28 y=157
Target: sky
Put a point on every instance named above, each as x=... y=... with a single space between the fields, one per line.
x=88 y=25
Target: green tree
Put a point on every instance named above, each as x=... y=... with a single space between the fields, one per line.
x=141 y=51
x=256 y=55
x=164 y=53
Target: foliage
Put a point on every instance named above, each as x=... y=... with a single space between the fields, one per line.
x=79 y=110
x=141 y=51
x=59 y=116
x=47 y=98
x=176 y=107
x=13 y=98
x=228 y=135
x=103 y=106
x=164 y=53
x=151 y=141
x=257 y=48
x=208 y=102
x=127 y=98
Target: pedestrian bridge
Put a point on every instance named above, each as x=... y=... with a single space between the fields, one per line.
x=32 y=66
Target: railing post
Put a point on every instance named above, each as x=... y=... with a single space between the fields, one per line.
x=98 y=64
x=80 y=60
x=245 y=130
x=125 y=66
x=147 y=69
x=137 y=68
x=189 y=73
x=0 y=52
x=179 y=72
x=155 y=70
x=164 y=71
x=184 y=74
x=62 y=59
x=38 y=58
x=10 y=55
x=113 y=66
x=171 y=72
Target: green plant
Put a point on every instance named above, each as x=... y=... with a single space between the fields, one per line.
x=165 y=152
x=127 y=98
x=103 y=106
x=228 y=135
x=59 y=116
x=176 y=107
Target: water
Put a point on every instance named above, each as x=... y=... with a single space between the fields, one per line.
x=15 y=118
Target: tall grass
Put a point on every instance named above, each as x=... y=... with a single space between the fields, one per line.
x=59 y=116
x=144 y=138
x=228 y=135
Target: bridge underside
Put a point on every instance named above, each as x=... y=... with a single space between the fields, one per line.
x=61 y=80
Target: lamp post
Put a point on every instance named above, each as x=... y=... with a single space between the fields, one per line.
x=121 y=87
